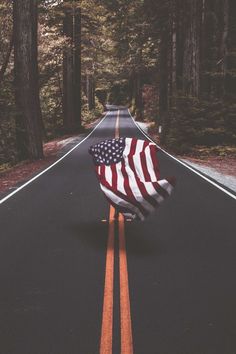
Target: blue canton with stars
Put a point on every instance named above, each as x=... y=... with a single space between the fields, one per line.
x=108 y=152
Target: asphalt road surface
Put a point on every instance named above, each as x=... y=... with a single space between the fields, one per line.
x=53 y=252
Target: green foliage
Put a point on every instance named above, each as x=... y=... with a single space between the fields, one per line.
x=51 y=106
x=7 y=141
x=7 y=123
x=193 y=122
x=51 y=46
x=119 y=93
x=88 y=116
x=150 y=101
x=217 y=150
x=101 y=95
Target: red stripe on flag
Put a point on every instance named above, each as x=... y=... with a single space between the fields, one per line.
x=140 y=184
x=102 y=170
x=129 y=192
x=102 y=176
x=114 y=176
x=153 y=150
x=144 y=163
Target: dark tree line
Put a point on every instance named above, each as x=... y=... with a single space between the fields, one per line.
x=48 y=81
x=23 y=75
x=186 y=49
x=170 y=61
x=197 y=65
x=29 y=124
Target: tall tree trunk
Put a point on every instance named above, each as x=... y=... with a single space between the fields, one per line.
x=223 y=45
x=28 y=126
x=77 y=67
x=68 y=85
x=173 y=53
x=90 y=91
x=163 y=76
x=72 y=71
x=191 y=64
x=180 y=34
x=202 y=48
x=230 y=78
x=209 y=53
x=138 y=95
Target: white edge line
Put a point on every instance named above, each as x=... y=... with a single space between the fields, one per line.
x=183 y=163
x=49 y=167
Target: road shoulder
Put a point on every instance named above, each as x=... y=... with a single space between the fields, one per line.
x=222 y=170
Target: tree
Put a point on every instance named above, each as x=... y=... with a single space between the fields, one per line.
x=191 y=59
x=72 y=68
x=28 y=118
x=176 y=56
x=133 y=50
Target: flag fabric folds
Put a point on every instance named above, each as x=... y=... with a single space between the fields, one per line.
x=128 y=172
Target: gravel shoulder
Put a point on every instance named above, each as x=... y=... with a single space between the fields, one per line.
x=12 y=178
x=221 y=173
x=17 y=175
x=220 y=169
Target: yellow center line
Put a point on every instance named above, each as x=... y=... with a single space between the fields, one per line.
x=117 y=125
x=107 y=315
x=125 y=314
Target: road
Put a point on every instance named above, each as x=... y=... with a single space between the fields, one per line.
x=181 y=289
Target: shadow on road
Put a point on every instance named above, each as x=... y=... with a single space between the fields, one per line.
x=95 y=233
x=141 y=244
x=92 y=233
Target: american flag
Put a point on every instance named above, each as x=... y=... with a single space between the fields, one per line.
x=128 y=172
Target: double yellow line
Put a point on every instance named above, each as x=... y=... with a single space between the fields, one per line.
x=125 y=315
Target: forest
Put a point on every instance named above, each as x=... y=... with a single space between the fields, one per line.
x=172 y=62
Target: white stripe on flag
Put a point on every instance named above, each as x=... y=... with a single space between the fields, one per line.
x=166 y=185
x=150 y=166
x=138 y=166
x=120 y=178
x=137 y=160
x=133 y=184
x=108 y=174
x=153 y=193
